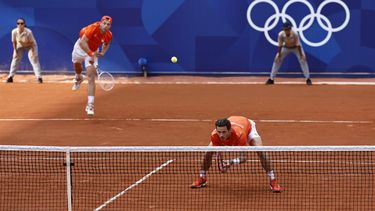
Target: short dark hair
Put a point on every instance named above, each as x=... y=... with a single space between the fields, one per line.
x=223 y=122
x=22 y=19
x=287 y=25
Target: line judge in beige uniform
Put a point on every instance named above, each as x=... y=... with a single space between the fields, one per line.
x=289 y=43
x=24 y=41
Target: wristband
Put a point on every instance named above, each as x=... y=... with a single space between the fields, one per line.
x=236 y=161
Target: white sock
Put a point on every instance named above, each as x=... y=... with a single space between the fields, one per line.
x=202 y=173
x=271 y=175
x=90 y=99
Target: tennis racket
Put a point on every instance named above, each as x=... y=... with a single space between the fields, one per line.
x=105 y=79
x=222 y=165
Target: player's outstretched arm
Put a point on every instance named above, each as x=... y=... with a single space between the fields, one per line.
x=207 y=161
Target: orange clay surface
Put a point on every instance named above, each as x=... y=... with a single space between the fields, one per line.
x=184 y=114
x=149 y=112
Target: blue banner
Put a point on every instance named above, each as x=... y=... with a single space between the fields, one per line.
x=206 y=36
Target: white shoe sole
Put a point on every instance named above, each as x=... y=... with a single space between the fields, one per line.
x=77 y=85
x=89 y=113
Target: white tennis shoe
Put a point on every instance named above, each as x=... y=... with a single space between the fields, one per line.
x=77 y=83
x=90 y=110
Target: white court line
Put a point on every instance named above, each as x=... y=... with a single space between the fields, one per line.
x=341 y=83
x=133 y=185
x=348 y=83
x=185 y=120
x=317 y=121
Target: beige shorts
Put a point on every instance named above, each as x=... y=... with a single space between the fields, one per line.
x=79 y=56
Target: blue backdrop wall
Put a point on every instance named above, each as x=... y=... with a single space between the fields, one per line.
x=207 y=36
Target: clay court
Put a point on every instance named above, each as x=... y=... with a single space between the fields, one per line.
x=180 y=111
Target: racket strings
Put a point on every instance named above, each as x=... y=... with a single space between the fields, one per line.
x=106 y=81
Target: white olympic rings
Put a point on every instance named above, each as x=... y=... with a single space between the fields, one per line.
x=305 y=23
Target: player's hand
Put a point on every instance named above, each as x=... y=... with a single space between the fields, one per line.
x=226 y=164
x=99 y=54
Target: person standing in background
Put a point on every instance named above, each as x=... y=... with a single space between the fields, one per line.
x=23 y=41
x=289 y=43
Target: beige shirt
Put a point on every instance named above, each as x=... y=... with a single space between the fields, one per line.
x=24 y=39
x=289 y=42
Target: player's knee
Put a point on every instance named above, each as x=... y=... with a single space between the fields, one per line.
x=91 y=73
x=78 y=68
x=34 y=60
x=90 y=76
x=17 y=58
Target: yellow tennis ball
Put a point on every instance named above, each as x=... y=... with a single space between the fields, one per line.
x=174 y=59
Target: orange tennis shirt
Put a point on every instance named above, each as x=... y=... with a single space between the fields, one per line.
x=241 y=129
x=95 y=37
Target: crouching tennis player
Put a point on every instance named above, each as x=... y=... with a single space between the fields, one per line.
x=235 y=131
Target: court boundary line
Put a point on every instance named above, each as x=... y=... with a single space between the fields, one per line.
x=200 y=73
x=348 y=83
x=124 y=80
x=281 y=121
x=337 y=83
x=133 y=185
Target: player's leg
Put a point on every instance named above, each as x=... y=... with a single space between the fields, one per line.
x=304 y=65
x=34 y=60
x=17 y=57
x=78 y=78
x=78 y=56
x=278 y=61
x=201 y=182
x=254 y=139
x=91 y=64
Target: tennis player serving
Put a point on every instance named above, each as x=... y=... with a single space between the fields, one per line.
x=86 y=49
x=235 y=131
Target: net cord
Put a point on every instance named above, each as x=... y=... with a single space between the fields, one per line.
x=185 y=148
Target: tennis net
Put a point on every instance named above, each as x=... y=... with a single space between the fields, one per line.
x=315 y=178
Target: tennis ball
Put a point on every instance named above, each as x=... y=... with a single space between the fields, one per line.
x=174 y=59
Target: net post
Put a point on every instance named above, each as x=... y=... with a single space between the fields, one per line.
x=68 y=180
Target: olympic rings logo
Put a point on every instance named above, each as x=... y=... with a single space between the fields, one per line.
x=327 y=25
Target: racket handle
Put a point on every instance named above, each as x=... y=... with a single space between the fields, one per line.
x=221 y=164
